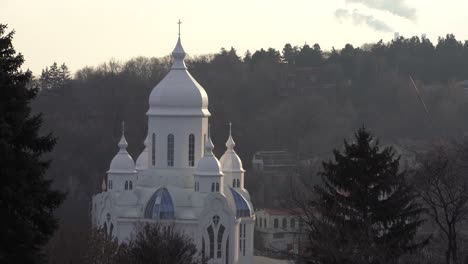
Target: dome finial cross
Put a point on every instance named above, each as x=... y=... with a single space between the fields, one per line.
x=180 y=22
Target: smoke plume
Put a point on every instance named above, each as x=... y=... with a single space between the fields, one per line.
x=359 y=19
x=396 y=7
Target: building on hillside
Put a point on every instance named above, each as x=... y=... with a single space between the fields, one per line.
x=273 y=171
x=177 y=180
x=279 y=230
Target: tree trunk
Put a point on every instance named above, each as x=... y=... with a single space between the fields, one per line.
x=454 y=245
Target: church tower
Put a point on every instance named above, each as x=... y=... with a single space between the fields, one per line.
x=232 y=164
x=177 y=122
x=122 y=173
x=208 y=175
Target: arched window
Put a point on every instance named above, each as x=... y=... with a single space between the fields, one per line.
x=130 y=185
x=126 y=185
x=242 y=239
x=212 y=187
x=111 y=230
x=293 y=223
x=275 y=223
x=217 y=187
x=227 y=250
x=211 y=238
x=264 y=222
x=170 y=150
x=234 y=183
x=220 y=241
x=191 y=150
x=203 y=249
x=238 y=183
x=285 y=223
x=153 y=149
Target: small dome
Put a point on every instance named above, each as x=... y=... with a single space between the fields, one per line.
x=208 y=165
x=122 y=162
x=142 y=161
x=243 y=208
x=230 y=161
x=178 y=93
x=160 y=205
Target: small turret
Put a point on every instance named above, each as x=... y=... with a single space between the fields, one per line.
x=208 y=175
x=122 y=172
x=231 y=164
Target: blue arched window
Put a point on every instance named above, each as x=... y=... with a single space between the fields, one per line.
x=126 y=185
x=153 y=149
x=242 y=206
x=191 y=150
x=160 y=205
x=130 y=185
x=170 y=150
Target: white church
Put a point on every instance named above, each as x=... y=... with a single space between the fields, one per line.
x=177 y=180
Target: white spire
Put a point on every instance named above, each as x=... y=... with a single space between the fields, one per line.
x=122 y=162
x=179 y=54
x=209 y=146
x=123 y=142
x=230 y=142
x=230 y=162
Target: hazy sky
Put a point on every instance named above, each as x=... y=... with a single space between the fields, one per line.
x=90 y=32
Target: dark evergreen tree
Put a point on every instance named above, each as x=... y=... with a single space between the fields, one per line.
x=365 y=212
x=26 y=199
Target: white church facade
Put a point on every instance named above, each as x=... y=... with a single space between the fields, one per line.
x=177 y=180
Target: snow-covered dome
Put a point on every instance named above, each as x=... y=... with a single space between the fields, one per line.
x=208 y=165
x=122 y=162
x=230 y=161
x=142 y=161
x=178 y=94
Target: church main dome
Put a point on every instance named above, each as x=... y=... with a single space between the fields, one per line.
x=178 y=94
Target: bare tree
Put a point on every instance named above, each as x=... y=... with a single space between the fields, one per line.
x=158 y=244
x=443 y=187
x=102 y=248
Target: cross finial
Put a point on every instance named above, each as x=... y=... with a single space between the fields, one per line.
x=230 y=127
x=123 y=127
x=180 y=22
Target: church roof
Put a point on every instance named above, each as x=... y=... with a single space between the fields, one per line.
x=243 y=208
x=230 y=161
x=178 y=94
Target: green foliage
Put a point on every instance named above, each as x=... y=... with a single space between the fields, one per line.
x=26 y=199
x=365 y=210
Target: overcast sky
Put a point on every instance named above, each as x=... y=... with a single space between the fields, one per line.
x=90 y=32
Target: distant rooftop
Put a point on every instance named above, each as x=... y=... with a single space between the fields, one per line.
x=274 y=158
